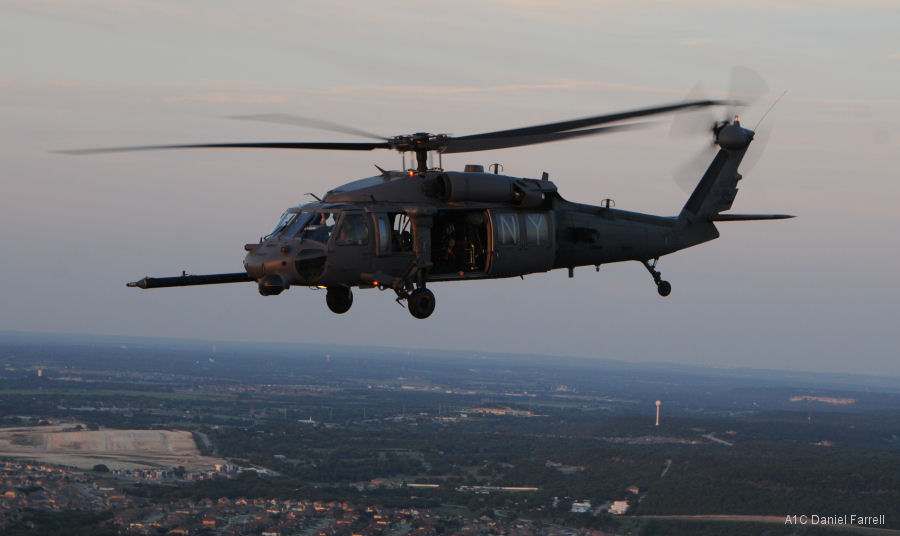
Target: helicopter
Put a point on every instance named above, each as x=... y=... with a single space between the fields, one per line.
x=402 y=230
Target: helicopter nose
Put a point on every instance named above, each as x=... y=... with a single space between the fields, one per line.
x=265 y=260
x=269 y=266
x=305 y=266
x=255 y=264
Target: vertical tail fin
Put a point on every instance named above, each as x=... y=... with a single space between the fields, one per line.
x=717 y=189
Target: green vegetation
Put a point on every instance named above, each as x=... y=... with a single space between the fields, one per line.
x=63 y=523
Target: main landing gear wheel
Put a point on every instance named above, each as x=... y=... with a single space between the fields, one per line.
x=339 y=299
x=421 y=303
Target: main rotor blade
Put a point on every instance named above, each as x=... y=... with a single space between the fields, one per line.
x=591 y=121
x=746 y=85
x=260 y=145
x=470 y=145
x=688 y=174
x=296 y=120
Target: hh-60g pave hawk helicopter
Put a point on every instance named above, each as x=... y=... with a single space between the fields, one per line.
x=402 y=230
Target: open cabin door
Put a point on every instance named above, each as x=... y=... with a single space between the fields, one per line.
x=460 y=244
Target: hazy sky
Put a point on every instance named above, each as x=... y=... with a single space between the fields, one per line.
x=815 y=293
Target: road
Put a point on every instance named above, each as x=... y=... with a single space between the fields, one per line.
x=711 y=437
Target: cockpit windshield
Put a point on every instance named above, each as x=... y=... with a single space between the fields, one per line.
x=285 y=220
x=298 y=223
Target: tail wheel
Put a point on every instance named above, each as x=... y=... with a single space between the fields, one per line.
x=421 y=303
x=664 y=288
x=339 y=299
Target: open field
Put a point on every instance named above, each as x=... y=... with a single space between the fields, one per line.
x=117 y=449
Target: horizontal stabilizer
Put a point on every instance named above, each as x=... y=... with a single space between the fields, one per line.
x=749 y=217
x=190 y=280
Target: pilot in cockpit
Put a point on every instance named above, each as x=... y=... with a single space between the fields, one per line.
x=320 y=229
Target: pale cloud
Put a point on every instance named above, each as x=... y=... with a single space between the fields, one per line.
x=115 y=13
x=894 y=57
x=226 y=97
x=843 y=102
x=236 y=91
x=556 y=85
x=100 y=9
x=696 y=42
x=581 y=11
x=58 y=83
x=576 y=11
x=784 y=6
x=214 y=91
x=582 y=85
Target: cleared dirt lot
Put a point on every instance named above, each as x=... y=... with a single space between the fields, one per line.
x=117 y=449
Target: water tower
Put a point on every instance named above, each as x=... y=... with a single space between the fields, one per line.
x=658 y=404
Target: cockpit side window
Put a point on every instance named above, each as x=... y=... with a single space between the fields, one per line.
x=353 y=231
x=318 y=227
x=299 y=222
x=383 y=226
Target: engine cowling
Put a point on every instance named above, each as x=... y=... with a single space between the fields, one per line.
x=457 y=187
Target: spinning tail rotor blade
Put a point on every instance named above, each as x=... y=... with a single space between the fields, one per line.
x=763 y=133
x=745 y=88
x=688 y=174
x=749 y=86
x=693 y=121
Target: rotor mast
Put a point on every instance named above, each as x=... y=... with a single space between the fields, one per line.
x=421 y=160
x=420 y=143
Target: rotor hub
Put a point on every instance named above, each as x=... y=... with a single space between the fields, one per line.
x=733 y=137
x=420 y=141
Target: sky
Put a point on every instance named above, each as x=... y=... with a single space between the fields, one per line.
x=814 y=293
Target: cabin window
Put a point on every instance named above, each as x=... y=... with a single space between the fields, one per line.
x=507 y=229
x=537 y=229
x=353 y=231
x=384 y=234
x=401 y=233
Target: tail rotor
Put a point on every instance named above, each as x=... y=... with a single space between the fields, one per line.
x=745 y=88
